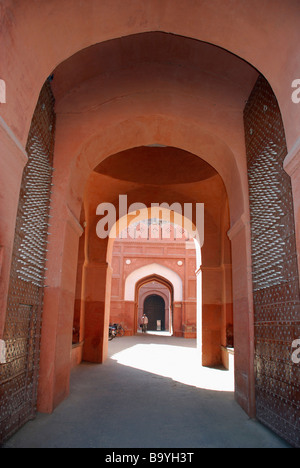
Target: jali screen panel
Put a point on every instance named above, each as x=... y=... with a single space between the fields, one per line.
x=274 y=266
x=19 y=374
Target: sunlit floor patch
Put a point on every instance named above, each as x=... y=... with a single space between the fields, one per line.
x=178 y=363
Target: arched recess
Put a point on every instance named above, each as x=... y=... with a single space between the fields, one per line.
x=165 y=130
x=140 y=213
x=138 y=277
x=154 y=309
x=155 y=129
x=169 y=300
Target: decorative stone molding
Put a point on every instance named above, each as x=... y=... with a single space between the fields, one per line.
x=292 y=161
x=151 y=269
x=12 y=138
x=240 y=224
x=1 y=257
x=74 y=222
x=2 y=92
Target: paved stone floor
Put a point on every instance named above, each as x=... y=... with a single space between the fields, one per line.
x=150 y=393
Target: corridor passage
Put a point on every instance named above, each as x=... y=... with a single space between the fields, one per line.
x=149 y=394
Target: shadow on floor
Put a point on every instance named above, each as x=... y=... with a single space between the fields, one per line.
x=148 y=394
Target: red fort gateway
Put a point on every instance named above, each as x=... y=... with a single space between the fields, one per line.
x=166 y=102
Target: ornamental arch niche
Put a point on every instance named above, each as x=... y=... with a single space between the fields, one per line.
x=117 y=127
x=160 y=271
x=155 y=285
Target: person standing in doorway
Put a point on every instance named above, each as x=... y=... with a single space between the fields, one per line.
x=145 y=322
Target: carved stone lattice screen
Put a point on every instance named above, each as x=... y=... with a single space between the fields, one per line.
x=19 y=375
x=275 y=268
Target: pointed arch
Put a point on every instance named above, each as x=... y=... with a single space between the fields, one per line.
x=157 y=270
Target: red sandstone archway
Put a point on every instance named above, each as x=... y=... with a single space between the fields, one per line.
x=168 y=300
x=162 y=267
x=245 y=33
x=158 y=17
x=101 y=272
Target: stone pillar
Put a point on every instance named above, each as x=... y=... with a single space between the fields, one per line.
x=239 y=235
x=199 y=312
x=177 y=318
x=131 y=318
x=59 y=299
x=97 y=279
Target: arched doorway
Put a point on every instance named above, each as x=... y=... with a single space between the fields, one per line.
x=133 y=127
x=156 y=288
x=138 y=263
x=154 y=309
